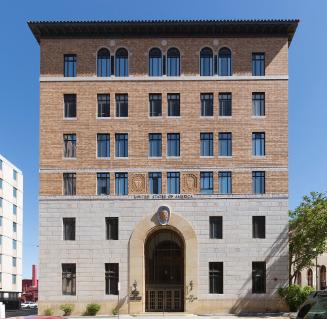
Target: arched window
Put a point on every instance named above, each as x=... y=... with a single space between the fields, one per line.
x=322 y=277
x=121 y=65
x=155 y=62
x=224 y=62
x=173 y=62
x=103 y=62
x=206 y=62
x=298 y=278
x=310 y=277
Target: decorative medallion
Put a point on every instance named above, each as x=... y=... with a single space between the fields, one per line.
x=190 y=183
x=164 y=43
x=138 y=183
x=163 y=215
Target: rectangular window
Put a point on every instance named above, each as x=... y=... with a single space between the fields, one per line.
x=173 y=105
x=69 y=145
x=206 y=144
x=0 y=239
x=258 y=182
x=225 y=182
x=155 y=145
x=0 y=164
x=14 y=192
x=1 y=220
x=14 y=175
x=173 y=144
x=14 y=227
x=121 y=105
x=258 y=64
x=14 y=209
x=206 y=104
x=14 y=244
x=155 y=183
x=216 y=227
x=121 y=183
x=69 y=228
x=155 y=101
x=70 y=65
x=206 y=182
x=258 y=144
x=103 y=183
x=225 y=144
x=112 y=278
x=121 y=144
x=69 y=183
x=258 y=226
x=0 y=202
x=14 y=261
x=103 y=145
x=258 y=277
x=173 y=183
x=70 y=105
x=225 y=104
x=103 y=105
x=69 y=279
x=112 y=228
x=1 y=183
x=258 y=104
x=216 y=278
x=14 y=279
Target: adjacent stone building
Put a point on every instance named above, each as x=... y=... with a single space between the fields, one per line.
x=164 y=164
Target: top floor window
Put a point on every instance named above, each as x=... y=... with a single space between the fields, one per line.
x=14 y=175
x=173 y=62
x=103 y=63
x=155 y=62
x=121 y=62
x=224 y=62
x=258 y=64
x=70 y=65
x=206 y=62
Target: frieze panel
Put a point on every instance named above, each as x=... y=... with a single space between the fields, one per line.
x=137 y=183
x=190 y=183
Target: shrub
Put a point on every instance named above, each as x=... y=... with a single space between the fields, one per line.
x=67 y=309
x=115 y=312
x=48 y=312
x=294 y=295
x=92 y=309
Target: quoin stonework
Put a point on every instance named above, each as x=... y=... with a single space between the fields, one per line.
x=164 y=164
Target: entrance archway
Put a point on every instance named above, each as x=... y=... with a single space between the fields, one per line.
x=164 y=271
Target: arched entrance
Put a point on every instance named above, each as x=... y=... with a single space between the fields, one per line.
x=164 y=271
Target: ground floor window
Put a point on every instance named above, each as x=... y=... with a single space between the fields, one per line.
x=69 y=279
x=112 y=278
x=216 y=277
x=259 y=277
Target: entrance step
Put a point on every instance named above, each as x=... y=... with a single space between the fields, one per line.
x=165 y=314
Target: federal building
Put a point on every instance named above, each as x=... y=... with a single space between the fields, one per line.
x=163 y=164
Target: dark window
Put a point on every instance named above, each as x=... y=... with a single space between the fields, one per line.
x=69 y=228
x=225 y=182
x=206 y=104
x=103 y=105
x=216 y=227
x=225 y=104
x=14 y=175
x=206 y=62
x=322 y=277
x=258 y=277
x=173 y=105
x=258 y=182
x=155 y=101
x=206 y=141
x=258 y=104
x=112 y=228
x=121 y=145
x=173 y=62
x=103 y=183
x=70 y=65
x=14 y=227
x=216 y=276
x=103 y=63
x=155 y=62
x=70 y=145
x=112 y=278
x=121 y=183
x=225 y=144
x=69 y=183
x=258 y=144
x=121 y=62
x=258 y=64
x=69 y=279
x=258 y=226
x=206 y=182
x=14 y=244
x=224 y=62
x=14 y=192
x=155 y=183
x=103 y=143
x=310 y=277
x=70 y=105
x=173 y=144
x=14 y=207
x=155 y=145
x=14 y=261
x=121 y=105
x=173 y=182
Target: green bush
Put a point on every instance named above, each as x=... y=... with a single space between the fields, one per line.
x=67 y=309
x=48 y=312
x=115 y=312
x=92 y=309
x=295 y=295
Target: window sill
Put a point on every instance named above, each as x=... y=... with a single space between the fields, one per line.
x=70 y=118
x=173 y=157
x=103 y=158
x=121 y=117
x=225 y=117
x=101 y=118
x=173 y=117
x=208 y=117
x=205 y=156
x=258 y=156
x=155 y=157
x=69 y=158
x=121 y=157
x=258 y=116
x=225 y=156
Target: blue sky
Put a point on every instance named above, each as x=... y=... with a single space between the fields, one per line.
x=19 y=86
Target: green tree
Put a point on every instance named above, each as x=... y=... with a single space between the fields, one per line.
x=307 y=232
